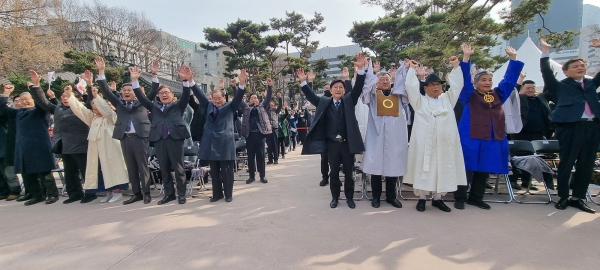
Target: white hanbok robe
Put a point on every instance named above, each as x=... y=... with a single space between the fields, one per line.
x=101 y=145
x=386 y=143
x=435 y=160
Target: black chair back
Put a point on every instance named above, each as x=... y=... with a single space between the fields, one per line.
x=240 y=145
x=546 y=146
x=190 y=151
x=520 y=148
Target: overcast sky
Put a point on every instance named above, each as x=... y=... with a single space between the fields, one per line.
x=187 y=19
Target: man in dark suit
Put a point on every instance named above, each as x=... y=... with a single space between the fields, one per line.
x=578 y=129
x=168 y=131
x=69 y=140
x=335 y=130
x=132 y=129
x=255 y=128
x=272 y=146
x=10 y=188
x=218 y=142
x=536 y=118
x=33 y=156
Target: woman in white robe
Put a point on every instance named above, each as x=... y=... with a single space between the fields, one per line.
x=103 y=150
x=435 y=163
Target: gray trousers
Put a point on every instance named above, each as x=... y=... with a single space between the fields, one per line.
x=9 y=183
x=135 y=153
x=170 y=157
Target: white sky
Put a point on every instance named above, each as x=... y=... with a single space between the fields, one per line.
x=187 y=19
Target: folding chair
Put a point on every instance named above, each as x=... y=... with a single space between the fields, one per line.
x=241 y=157
x=153 y=173
x=515 y=147
x=526 y=148
x=191 y=151
x=589 y=194
x=60 y=171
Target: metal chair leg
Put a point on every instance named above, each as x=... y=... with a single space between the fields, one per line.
x=590 y=197
x=511 y=195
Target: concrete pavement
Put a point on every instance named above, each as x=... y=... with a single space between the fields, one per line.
x=287 y=224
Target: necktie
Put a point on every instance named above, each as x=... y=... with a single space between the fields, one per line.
x=165 y=131
x=128 y=127
x=588 y=109
x=337 y=105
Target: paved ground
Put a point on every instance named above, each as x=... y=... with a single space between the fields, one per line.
x=287 y=224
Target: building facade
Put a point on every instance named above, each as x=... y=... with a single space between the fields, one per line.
x=591 y=15
x=331 y=55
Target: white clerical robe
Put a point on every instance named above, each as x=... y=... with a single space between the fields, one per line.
x=386 y=143
x=435 y=158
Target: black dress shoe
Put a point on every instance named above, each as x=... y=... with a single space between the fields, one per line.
x=394 y=202
x=421 y=205
x=480 y=204
x=581 y=205
x=134 y=198
x=562 y=204
x=228 y=199
x=181 y=200
x=323 y=182
x=51 y=200
x=250 y=180
x=440 y=205
x=89 y=198
x=488 y=185
x=147 y=198
x=276 y=162
x=459 y=205
x=532 y=187
x=213 y=199
x=24 y=198
x=333 y=203
x=166 y=199
x=515 y=186
x=73 y=199
x=376 y=202
x=351 y=203
x=264 y=180
x=34 y=201
x=270 y=162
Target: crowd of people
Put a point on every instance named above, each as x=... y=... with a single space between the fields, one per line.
x=456 y=127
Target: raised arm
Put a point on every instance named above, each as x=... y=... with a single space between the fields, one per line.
x=307 y=90
x=142 y=98
x=239 y=94
x=200 y=95
x=267 y=102
x=4 y=109
x=465 y=67
x=507 y=85
x=103 y=85
x=412 y=86
x=361 y=64
x=188 y=76
x=155 y=84
x=105 y=109
x=596 y=44
x=38 y=94
x=80 y=110
x=550 y=81
x=455 y=80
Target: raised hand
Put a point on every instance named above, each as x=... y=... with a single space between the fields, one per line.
x=88 y=77
x=512 y=53
x=243 y=76
x=414 y=64
x=422 y=72
x=467 y=51
x=376 y=67
x=360 y=61
x=545 y=46
x=221 y=84
x=393 y=73
x=346 y=74
x=406 y=63
x=112 y=86
x=50 y=94
x=35 y=78
x=269 y=82
x=301 y=75
x=154 y=68
x=596 y=43
x=134 y=74
x=8 y=88
x=94 y=92
x=278 y=94
x=100 y=65
x=311 y=76
x=186 y=74
x=233 y=83
x=522 y=75
x=454 y=61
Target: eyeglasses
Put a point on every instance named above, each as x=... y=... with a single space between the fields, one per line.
x=164 y=93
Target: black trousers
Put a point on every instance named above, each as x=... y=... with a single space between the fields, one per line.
x=170 y=157
x=255 y=145
x=135 y=154
x=37 y=186
x=273 y=151
x=9 y=183
x=221 y=172
x=281 y=142
x=578 y=142
x=293 y=139
x=301 y=135
x=478 y=181
x=390 y=186
x=339 y=153
x=325 y=167
x=74 y=169
x=528 y=136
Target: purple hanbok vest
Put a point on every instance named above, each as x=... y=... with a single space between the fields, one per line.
x=485 y=116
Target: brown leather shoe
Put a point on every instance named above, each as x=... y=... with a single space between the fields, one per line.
x=12 y=197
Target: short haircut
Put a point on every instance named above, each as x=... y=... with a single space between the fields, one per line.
x=217 y=91
x=337 y=81
x=478 y=75
x=568 y=63
x=24 y=94
x=528 y=82
x=163 y=87
x=381 y=73
x=126 y=84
